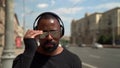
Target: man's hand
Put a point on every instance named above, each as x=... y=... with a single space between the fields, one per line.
x=32 y=33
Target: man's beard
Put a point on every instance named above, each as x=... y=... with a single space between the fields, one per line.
x=49 y=46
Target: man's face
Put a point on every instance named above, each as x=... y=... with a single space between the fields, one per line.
x=49 y=40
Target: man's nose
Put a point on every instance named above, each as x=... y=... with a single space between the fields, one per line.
x=49 y=37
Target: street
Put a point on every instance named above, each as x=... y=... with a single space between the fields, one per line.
x=98 y=58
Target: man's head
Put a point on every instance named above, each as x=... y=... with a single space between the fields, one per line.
x=49 y=23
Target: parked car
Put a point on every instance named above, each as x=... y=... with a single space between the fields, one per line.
x=97 y=45
x=82 y=45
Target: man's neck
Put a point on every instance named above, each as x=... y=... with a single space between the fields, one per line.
x=56 y=52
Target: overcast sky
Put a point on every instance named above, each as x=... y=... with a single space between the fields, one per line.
x=66 y=9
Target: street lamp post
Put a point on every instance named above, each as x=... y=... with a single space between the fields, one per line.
x=113 y=31
x=113 y=35
x=24 y=18
x=8 y=50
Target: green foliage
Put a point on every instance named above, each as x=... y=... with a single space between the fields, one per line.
x=105 y=39
x=64 y=42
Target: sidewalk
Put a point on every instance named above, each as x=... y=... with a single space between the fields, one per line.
x=111 y=46
x=16 y=50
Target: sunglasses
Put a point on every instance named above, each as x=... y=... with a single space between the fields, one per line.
x=54 y=34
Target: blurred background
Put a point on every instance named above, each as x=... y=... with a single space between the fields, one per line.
x=92 y=28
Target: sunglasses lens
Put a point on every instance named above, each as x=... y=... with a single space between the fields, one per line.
x=42 y=36
x=54 y=34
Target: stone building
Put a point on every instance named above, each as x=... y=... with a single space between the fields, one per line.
x=88 y=29
x=18 y=30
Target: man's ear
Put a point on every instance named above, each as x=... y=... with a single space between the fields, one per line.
x=61 y=36
x=37 y=40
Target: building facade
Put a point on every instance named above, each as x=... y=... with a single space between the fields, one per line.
x=88 y=29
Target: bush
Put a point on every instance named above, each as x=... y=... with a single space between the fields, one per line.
x=105 y=39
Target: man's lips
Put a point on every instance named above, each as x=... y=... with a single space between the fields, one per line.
x=49 y=45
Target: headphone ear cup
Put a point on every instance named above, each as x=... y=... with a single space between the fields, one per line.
x=35 y=28
x=62 y=30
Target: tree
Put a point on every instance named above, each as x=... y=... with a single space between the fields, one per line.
x=105 y=39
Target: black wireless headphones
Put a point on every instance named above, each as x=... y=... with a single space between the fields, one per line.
x=53 y=14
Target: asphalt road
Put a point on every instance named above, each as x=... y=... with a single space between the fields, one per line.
x=98 y=58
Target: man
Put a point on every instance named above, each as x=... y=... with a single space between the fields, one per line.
x=48 y=53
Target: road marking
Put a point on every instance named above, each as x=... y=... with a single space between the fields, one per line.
x=88 y=65
x=95 y=56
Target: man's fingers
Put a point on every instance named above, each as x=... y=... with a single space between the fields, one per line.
x=35 y=34
x=32 y=33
